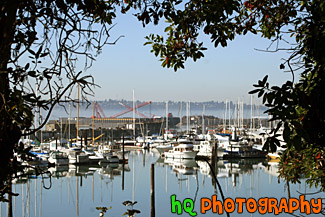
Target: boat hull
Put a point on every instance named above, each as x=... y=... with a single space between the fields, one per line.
x=181 y=155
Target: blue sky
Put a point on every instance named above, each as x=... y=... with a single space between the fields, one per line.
x=223 y=74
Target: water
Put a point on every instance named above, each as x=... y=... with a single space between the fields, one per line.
x=77 y=191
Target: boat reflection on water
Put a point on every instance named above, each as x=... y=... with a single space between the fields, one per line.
x=80 y=189
x=59 y=171
x=182 y=166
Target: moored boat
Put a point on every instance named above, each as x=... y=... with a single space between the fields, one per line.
x=58 y=158
x=162 y=148
x=183 y=150
x=78 y=157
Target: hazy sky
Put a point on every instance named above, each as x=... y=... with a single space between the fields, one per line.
x=223 y=74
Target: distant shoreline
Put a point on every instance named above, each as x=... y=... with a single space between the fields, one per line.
x=111 y=107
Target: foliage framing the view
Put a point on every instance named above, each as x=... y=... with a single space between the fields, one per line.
x=296 y=105
x=42 y=43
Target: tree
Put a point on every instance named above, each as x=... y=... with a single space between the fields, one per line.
x=296 y=105
x=41 y=43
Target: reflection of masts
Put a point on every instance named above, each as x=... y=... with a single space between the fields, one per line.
x=77 y=196
x=69 y=190
x=251 y=182
x=123 y=174
x=152 y=190
x=40 y=203
x=133 y=180
x=93 y=188
x=144 y=156
x=166 y=179
x=23 y=201
x=28 y=198
x=188 y=184
x=35 y=196
x=61 y=191
x=258 y=183
x=14 y=201
x=112 y=189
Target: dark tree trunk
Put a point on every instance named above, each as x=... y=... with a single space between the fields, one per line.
x=9 y=131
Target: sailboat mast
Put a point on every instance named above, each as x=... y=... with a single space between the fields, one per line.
x=69 y=120
x=78 y=115
x=94 y=123
x=187 y=117
x=229 y=114
x=133 y=114
x=167 y=117
x=181 y=108
x=203 y=113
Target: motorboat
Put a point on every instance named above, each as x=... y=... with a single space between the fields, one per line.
x=182 y=166
x=183 y=150
x=58 y=158
x=78 y=157
x=165 y=147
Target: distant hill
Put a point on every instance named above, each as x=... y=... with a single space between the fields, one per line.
x=175 y=105
x=112 y=107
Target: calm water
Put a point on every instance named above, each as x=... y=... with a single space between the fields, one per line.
x=77 y=191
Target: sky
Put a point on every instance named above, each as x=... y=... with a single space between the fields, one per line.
x=223 y=74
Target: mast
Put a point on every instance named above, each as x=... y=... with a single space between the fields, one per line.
x=225 y=118
x=181 y=113
x=229 y=114
x=93 y=123
x=203 y=127
x=60 y=131
x=77 y=116
x=167 y=117
x=187 y=117
x=133 y=114
x=69 y=120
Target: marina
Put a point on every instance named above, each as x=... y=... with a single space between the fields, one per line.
x=87 y=190
x=229 y=123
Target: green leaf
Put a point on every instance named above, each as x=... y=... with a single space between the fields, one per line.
x=32 y=74
x=31 y=51
x=26 y=66
x=254 y=91
x=264 y=80
x=260 y=93
x=286 y=132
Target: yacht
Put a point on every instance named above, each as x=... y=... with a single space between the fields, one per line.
x=183 y=150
